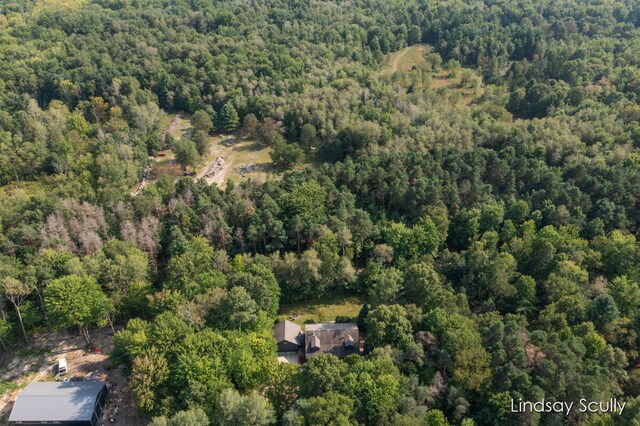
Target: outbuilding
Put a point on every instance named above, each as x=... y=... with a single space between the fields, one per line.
x=288 y=336
x=60 y=403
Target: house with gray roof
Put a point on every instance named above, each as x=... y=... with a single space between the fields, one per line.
x=60 y=403
x=339 y=339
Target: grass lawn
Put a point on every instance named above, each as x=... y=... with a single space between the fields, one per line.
x=245 y=159
x=322 y=310
x=182 y=128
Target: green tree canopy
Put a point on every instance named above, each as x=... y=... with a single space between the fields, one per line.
x=75 y=301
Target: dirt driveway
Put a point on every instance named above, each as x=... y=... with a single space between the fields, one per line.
x=36 y=364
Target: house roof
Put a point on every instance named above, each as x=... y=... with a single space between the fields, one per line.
x=340 y=339
x=287 y=331
x=56 y=401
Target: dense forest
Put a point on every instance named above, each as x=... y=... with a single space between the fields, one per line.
x=494 y=238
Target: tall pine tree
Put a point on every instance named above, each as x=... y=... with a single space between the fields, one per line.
x=229 y=119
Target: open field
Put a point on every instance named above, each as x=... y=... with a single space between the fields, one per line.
x=412 y=59
x=244 y=159
x=407 y=58
x=322 y=310
x=69 y=5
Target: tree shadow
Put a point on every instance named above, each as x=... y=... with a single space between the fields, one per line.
x=249 y=147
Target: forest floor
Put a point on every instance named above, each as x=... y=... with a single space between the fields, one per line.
x=321 y=310
x=37 y=363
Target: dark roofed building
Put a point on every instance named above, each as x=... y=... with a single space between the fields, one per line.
x=339 y=339
x=60 y=403
x=288 y=336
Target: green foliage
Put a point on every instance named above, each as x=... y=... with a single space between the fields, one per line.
x=423 y=287
x=422 y=239
x=308 y=135
x=386 y=285
x=5 y=328
x=388 y=325
x=202 y=142
x=237 y=309
x=306 y=202
x=149 y=373
x=186 y=152
x=283 y=387
x=286 y=155
x=327 y=410
x=228 y=117
x=625 y=294
x=192 y=272
x=6 y=386
x=201 y=121
x=460 y=338
x=130 y=342
x=251 y=409
x=488 y=211
x=75 y=301
x=261 y=285
x=193 y=417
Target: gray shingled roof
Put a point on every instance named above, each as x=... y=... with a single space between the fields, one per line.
x=287 y=331
x=340 y=339
x=56 y=401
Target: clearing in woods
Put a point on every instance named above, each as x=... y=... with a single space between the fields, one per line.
x=37 y=363
x=322 y=310
x=406 y=63
x=243 y=158
x=69 y=5
x=407 y=58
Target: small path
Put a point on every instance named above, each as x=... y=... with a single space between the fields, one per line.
x=145 y=177
x=395 y=62
x=397 y=57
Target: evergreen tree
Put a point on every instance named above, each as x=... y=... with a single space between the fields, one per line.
x=229 y=119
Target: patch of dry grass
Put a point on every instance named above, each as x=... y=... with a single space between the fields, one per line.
x=323 y=310
x=407 y=58
x=70 y=5
x=408 y=66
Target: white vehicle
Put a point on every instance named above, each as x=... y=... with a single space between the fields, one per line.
x=62 y=366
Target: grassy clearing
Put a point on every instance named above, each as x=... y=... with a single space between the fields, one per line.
x=407 y=58
x=408 y=65
x=245 y=159
x=69 y=5
x=182 y=129
x=322 y=310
